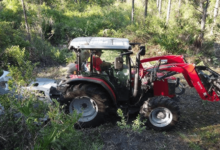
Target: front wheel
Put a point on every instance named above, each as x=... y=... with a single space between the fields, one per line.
x=162 y=113
x=90 y=101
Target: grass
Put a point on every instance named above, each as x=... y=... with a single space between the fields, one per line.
x=203 y=138
x=51 y=72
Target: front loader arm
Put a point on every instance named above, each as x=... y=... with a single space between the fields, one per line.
x=169 y=58
x=193 y=79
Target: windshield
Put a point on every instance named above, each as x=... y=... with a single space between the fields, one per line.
x=103 y=63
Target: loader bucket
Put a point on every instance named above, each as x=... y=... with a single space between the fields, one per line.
x=210 y=79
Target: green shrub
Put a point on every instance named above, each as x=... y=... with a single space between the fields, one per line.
x=8 y=37
x=22 y=73
x=123 y=123
x=21 y=126
x=11 y=12
x=70 y=57
x=137 y=125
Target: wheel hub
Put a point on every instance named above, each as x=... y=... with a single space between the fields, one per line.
x=85 y=106
x=160 y=117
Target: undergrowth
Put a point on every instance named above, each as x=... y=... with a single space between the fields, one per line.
x=137 y=125
x=28 y=123
x=32 y=124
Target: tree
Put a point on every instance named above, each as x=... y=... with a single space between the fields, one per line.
x=168 y=11
x=215 y=15
x=204 y=4
x=179 y=7
x=145 y=10
x=26 y=25
x=132 y=12
x=160 y=6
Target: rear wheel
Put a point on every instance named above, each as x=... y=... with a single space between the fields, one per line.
x=90 y=101
x=162 y=113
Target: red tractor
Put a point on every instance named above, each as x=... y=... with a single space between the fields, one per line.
x=97 y=88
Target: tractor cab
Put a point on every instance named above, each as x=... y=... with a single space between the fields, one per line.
x=107 y=59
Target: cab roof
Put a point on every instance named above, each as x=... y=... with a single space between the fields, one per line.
x=100 y=43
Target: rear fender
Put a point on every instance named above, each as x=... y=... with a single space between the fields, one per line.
x=98 y=81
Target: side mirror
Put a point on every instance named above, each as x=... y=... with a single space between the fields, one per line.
x=142 y=50
x=118 y=64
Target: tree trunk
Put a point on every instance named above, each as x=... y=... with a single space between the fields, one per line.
x=26 y=23
x=132 y=12
x=145 y=10
x=179 y=7
x=168 y=12
x=215 y=15
x=160 y=6
x=204 y=6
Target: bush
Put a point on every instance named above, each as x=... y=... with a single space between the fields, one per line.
x=22 y=73
x=8 y=37
x=137 y=125
x=21 y=126
x=28 y=123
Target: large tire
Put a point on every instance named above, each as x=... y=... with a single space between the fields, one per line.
x=90 y=100
x=162 y=113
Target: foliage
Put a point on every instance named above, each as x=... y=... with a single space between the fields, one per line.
x=28 y=123
x=22 y=126
x=138 y=125
x=22 y=73
x=12 y=12
x=8 y=37
x=63 y=56
x=122 y=124
x=70 y=57
x=52 y=25
x=23 y=122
